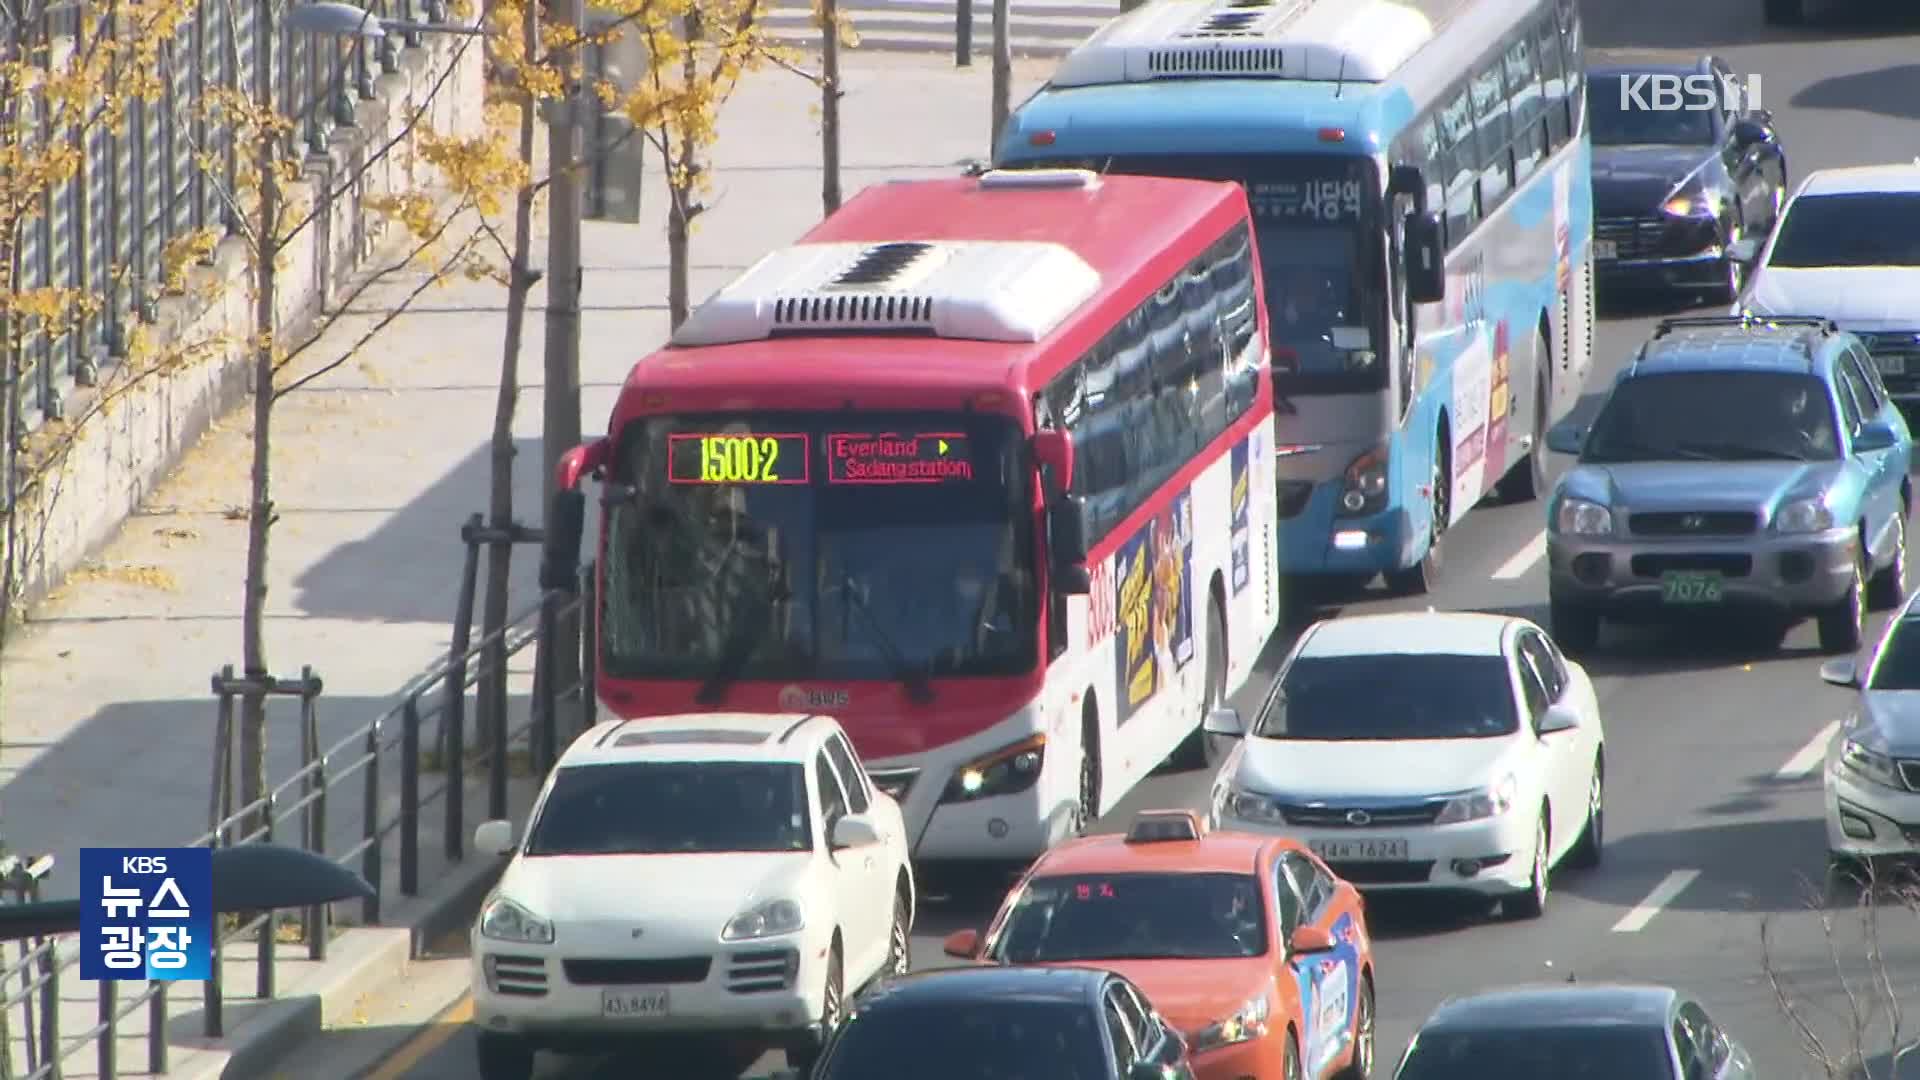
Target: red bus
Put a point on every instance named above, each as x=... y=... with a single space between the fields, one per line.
x=970 y=468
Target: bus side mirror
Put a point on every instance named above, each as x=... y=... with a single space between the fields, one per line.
x=579 y=462
x=1067 y=545
x=1053 y=453
x=1426 y=258
x=560 y=546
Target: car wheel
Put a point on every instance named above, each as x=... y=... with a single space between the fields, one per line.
x=1841 y=626
x=1587 y=853
x=806 y=1053
x=1290 y=1067
x=1086 y=806
x=503 y=1057
x=1732 y=272
x=1531 y=902
x=899 y=940
x=1575 y=629
x=1424 y=576
x=1361 y=1066
x=1528 y=478
x=1889 y=586
x=1785 y=12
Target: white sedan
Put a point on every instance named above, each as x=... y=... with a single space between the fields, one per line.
x=1425 y=750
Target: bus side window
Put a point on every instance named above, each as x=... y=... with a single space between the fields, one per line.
x=1172 y=364
x=1523 y=90
x=1553 y=83
x=1495 y=131
x=1240 y=319
x=1573 y=52
x=1433 y=163
x=1208 y=330
x=1460 y=152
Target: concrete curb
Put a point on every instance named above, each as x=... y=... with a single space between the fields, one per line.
x=360 y=961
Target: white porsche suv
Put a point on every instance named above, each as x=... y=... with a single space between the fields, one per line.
x=719 y=876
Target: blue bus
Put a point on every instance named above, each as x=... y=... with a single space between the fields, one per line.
x=1419 y=177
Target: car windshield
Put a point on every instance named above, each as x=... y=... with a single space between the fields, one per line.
x=1870 y=228
x=1316 y=222
x=1715 y=416
x=1898 y=665
x=1616 y=116
x=1611 y=1052
x=973 y=1039
x=1134 y=917
x=670 y=808
x=799 y=546
x=1392 y=696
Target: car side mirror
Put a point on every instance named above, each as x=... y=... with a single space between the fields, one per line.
x=853 y=831
x=1425 y=255
x=1842 y=672
x=1308 y=940
x=1558 y=717
x=1874 y=436
x=1750 y=132
x=1224 y=720
x=962 y=944
x=1067 y=541
x=1566 y=438
x=493 y=838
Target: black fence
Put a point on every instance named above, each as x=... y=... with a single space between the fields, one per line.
x=423 y=756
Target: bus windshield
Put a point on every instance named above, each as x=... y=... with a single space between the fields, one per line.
x=800 y=546
x=1317 y=221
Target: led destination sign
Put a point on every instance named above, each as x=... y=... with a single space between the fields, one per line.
x=737 y=458
x=890 y=458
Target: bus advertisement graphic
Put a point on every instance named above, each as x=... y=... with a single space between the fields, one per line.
x=1153 y=575
x=1242 y=536
x=1499 y=403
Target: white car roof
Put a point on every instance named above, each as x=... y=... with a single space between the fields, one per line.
x=1863 y=178
x=1453 y=633
x=771 y=737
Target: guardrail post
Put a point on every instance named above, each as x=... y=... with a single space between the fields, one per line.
x=212 y=997
x=494 y=662
x=50 y=1008
x=589 y=688
x=963 y=33
x=370 y=826
x=107 y=1043
x=410 y=797
x=270 y=927
x=453 y=738
x=317 y=779
x=220 y=810
x=157 y=1030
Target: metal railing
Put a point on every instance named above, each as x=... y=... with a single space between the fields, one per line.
x=167 y=170
x=351 y=772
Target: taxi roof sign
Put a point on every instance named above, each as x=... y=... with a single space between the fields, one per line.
x=1165 y=826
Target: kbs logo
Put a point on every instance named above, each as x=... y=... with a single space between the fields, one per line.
x=1688 y=93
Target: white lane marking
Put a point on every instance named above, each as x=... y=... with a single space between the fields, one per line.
x=1806 y=760
x=1663 y=894
x=1523 y=560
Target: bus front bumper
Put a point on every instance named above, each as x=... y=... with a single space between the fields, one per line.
x=1315 y=542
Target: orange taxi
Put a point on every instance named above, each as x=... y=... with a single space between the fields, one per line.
x=1247 y=944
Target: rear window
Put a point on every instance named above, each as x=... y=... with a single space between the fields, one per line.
x=1595 y=1053
x=1064 y=919
x=969 y=1040
x=1392 y=696
x=1874 y=228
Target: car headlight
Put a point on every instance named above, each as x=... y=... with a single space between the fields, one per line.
x=1007 y=771
x=1870 y=764
x=1364 y=487
x=504 y=920
x=1248 y=806
x=771 y=919
x=1578 y=517
x=1696 y=203
x=1248 y=1022
x=1803 y=516
x=1492 y=802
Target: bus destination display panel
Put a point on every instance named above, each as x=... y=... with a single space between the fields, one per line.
x=885 y=457
x=738 y=458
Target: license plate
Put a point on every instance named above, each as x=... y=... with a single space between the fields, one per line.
x=1371 y=850
x=1605 y=249
x=1691 y=587
x=633 y=1004
x=1891 y=365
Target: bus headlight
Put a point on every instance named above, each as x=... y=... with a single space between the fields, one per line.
x=1364 y=490
x=1007 y=771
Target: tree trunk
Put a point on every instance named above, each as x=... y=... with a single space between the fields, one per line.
x=253 y=646
x=500 y=501
x=560 y=392
x=677 y=234
x=830 y=105
x=1002 y=73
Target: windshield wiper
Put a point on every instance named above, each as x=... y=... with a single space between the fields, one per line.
x=1739 y=452
x=914 y=679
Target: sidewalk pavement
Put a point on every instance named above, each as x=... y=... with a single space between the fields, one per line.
x=108 y=720
x=1036 y=30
